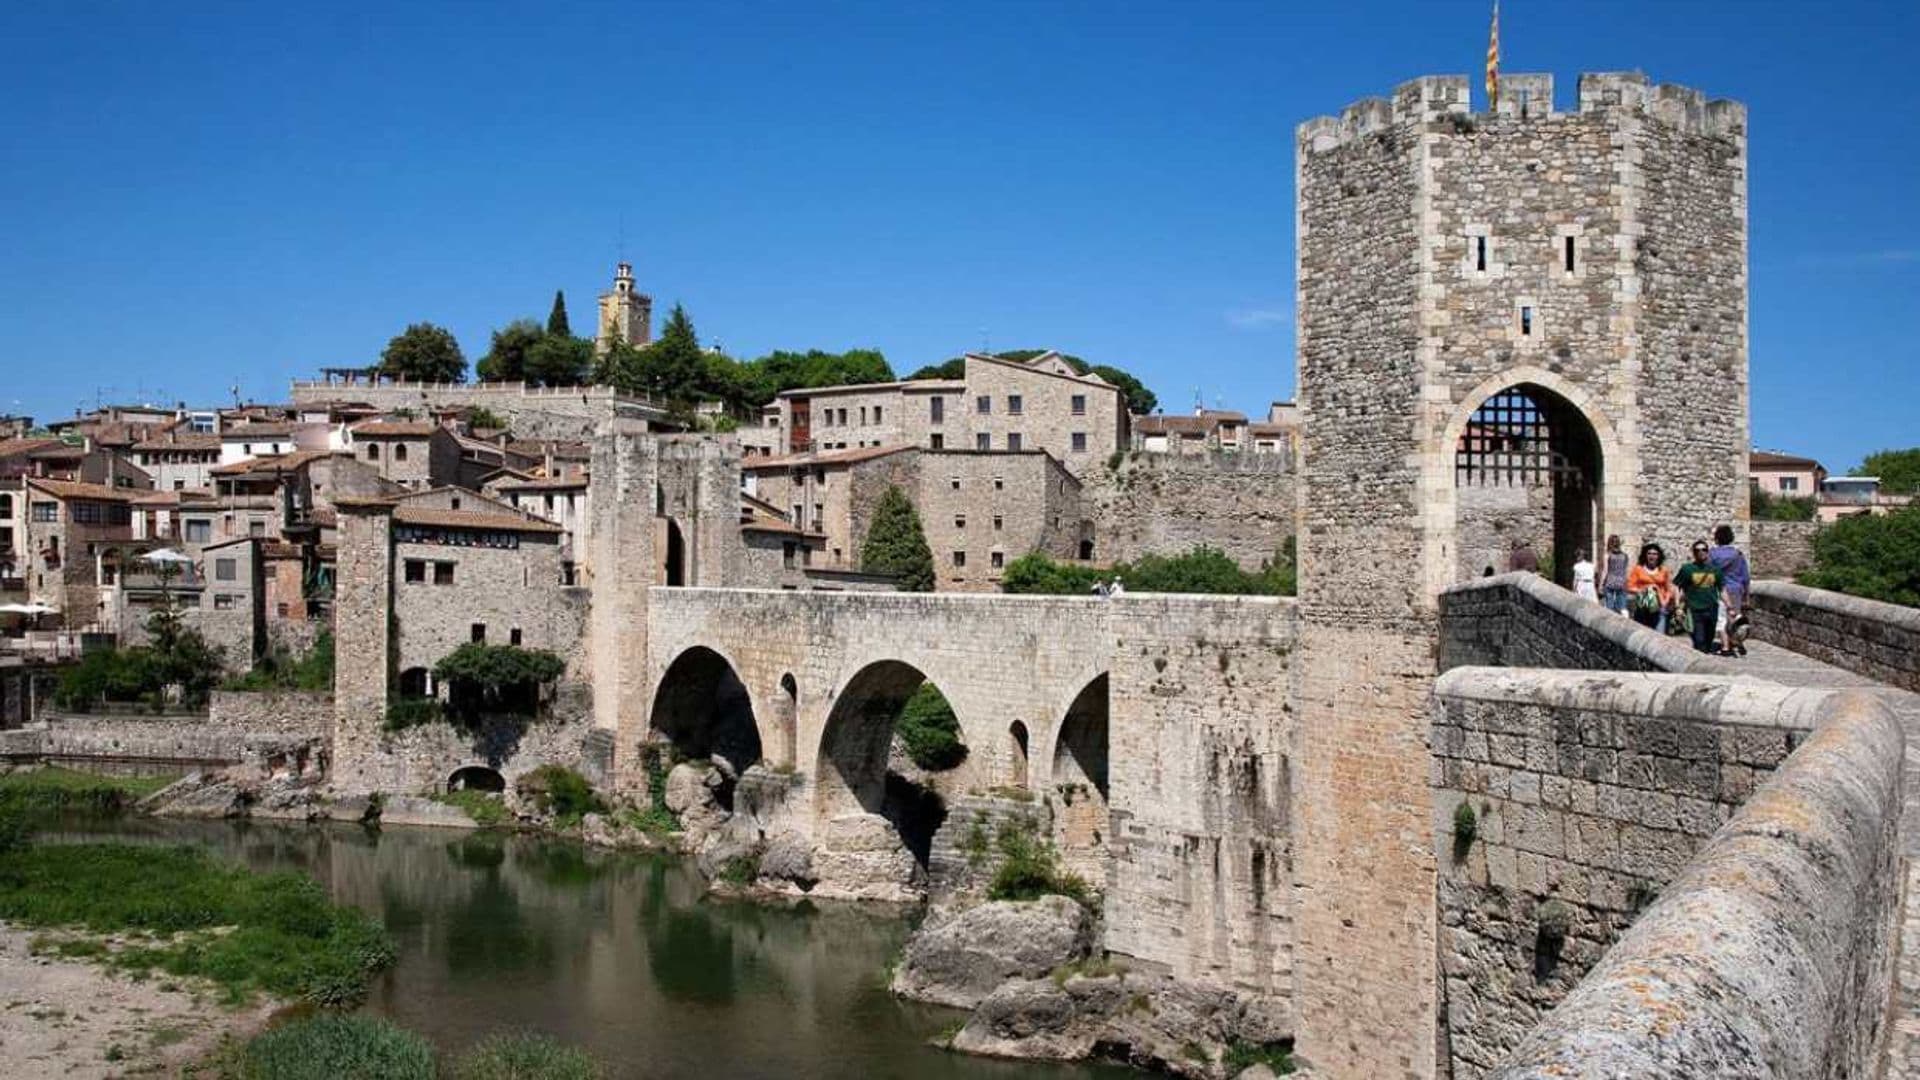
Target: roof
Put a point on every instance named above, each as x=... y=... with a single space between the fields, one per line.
x=257 y=430
x=73 y=489
x=395 y=428
x=1768 y=459
x=181 y=442
x=578 y=483
x=1262 y=427
x=270 y=463
x=1174 y=425
x=471 y=519
x=15 y=447
x=827 y=457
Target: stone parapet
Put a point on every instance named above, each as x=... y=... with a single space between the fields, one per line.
x=1867 y=637
x=1771 y=954
x=1524 y=620
x=290 y=712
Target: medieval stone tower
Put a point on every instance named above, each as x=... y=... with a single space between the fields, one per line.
x=1543 y=300
x=625 y=313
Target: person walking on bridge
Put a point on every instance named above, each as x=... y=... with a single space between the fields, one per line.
x=1650 y=584
x=1732 y=564
x=1700 y=582
x=1613 y=577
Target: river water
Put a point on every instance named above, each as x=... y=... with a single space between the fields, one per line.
x=621 y=953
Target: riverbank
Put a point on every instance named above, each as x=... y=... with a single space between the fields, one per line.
x=73 y=1019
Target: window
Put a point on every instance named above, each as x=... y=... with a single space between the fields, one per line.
x=1079 y=442
x=1480 y=253
x=1526 y=320
x=179 y=484
x=256 y=528
x=876 y=414
x=819 y=516
x=863 y=416
x=1014 y=405
x=983 y=441
x=1013 y=440
x=199 y=530
x=373 y=451
x=223 y=602
x=455 y=502
x=443 y=575
x=999 y=483
x=513 y=636
x=983 y=405
x=953 y=482
x=959 y=559
x=1567 y=254
x=416 y=571
x=1789 y=483
x=997 y=559
x=247 y=449
x=937 y=409
x=226 y=570
x=843 y=418
x=999 y=522
x=1079 y=404
x=936 y=441
x=6 y=506
x=46 y=511
x=959 y=521
x=478 y=633
x=400 y=454
x=787 y=553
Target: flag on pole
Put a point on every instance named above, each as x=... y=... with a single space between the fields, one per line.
x=1493 y=61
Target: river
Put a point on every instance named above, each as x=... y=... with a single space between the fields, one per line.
x=621 y=953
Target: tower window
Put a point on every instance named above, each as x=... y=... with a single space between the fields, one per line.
x=1567 y=253
x=959 y=521
x=937 y=441
x=982 y=441
x=1480 y=253
x=1526 y=320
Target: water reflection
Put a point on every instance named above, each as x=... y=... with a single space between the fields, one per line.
x=624 y=954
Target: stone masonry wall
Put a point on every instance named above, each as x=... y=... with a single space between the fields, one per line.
x=1781 y=549
x=167 y=746
x=1772 y=952
x=1588 y=792
x=1880 y=641
x=993 y=505
x=1523 y=620
x=569 y=412
x=289 y=712
x=1167 y=504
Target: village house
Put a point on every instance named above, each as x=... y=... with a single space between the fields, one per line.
x=77 y=535
x=178 y=460
x=415 y=454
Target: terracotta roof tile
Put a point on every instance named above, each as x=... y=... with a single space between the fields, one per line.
x=72 y=489
x=825 y=457
x=470 y=519
x=395 y=428
x=180 y=442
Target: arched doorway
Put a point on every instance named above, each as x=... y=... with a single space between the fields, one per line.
x=1017 y=737
x=476 y=778
x=703 y=710
x=855 y=749
x=1079 y=765
x=676 y=564
x=416 y=682
x=1527 y=475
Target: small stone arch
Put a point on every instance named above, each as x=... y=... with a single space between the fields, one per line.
x=674 y=562
x=703 y=708
x=1018 y=740
x=851 y=770
x=476 y=778
x=788 y=721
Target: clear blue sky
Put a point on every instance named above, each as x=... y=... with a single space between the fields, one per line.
x=194 y=194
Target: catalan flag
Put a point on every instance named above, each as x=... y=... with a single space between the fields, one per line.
x=1493 y=61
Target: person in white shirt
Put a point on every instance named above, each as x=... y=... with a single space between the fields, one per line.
x=1583 y=577
x=1116 y=589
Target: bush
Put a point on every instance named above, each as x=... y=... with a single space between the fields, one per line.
x=741 y=870
x=1466 y=826
x=1877 y=557
x=280 y=671
x=246 y=932
x=406 y=712
x=107 y=675
x=485 y=678
x=1036 y=573
x=525 y=1057
x=1201 y=570
x=929 y=730
x=1242 y=1055
x=329 y=1046
x=1030 y=869
x=560 y=791
x=1770 y=507
x=485 y=808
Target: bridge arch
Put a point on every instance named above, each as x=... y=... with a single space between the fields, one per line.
x=703 y=708
x=476 y=778
x=851 y=767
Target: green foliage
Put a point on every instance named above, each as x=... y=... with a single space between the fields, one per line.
x=1242 y=1055
x=333 y=1046
x=558 y=360
x=486 y=809
x=479 y=416
x=407 y=712
x=1898 y=470
x=740 y=870
x=931 y=733
x=1030 y=868
x=557 y=323
x=768 y=375
x=106 y=675
x=1876 y=556
x=655 y=821
x=560 y=791
x=1466 y=826
x=1555 y=919
x=525 y=1056
x=1201 y=570
x=52 y=790
x=498 y=679
x=1770 y=507
x=955 y=368
x=178 y=656
x=978 y=843
x=896 y=545
x=506 y=359
x=247 y=932
x=424 y=352
x=279 y=671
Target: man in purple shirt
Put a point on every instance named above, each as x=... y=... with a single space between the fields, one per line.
x=1733 y=569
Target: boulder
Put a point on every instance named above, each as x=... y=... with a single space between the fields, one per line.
x=687 y=786
x=960 y=959
x=861 y=857
x=694 y=794
x=787 y=863
x=415 y=810
x=721 y=849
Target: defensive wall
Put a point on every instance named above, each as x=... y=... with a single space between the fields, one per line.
x=1166 y=504
x=287 y=731
x=533 y=412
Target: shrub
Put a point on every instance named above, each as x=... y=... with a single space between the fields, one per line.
x=485 y=808
x=1201 y=570
x=1770 y=507
x=280 y=671
x=329 y=1046
x=741 y=870
x=1030 y=868
x=560 y=791
x=1466 y=826
x=931 y=733
x=406 y=712
x=1242 y=1055
x=485 y=678
x=1877 y=557
x=525 y=1057
x=1555 y=918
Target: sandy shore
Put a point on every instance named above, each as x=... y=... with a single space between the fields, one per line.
x=76 y=1020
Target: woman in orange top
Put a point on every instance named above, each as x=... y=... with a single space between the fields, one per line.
x=1650 y=587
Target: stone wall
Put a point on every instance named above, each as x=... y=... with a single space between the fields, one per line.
x=508 y=592
x=421 y=759
x=1880 y=641
x=566 y=412
x=1772 y=952
x=1493 y=518
x=1780 y=549
x=1523 y=620
x=1167 y=504
x=288 y=739
x=990 y=508
x=1587 y=792
x=288 y=712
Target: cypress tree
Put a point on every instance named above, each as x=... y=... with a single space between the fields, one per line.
x=557 y=318
x=896 y=545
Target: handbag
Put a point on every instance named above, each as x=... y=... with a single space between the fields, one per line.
x=1681 y=621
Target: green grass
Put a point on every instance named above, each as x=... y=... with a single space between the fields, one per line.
x=246 y=932
x=525 y=1057
x=53 y=790
x=1277 y=1056
x=330 y=1046
x=655 y=821
x=487 y=810
x=1030 y=868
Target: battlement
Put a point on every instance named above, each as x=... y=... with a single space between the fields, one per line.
x=1526 y=97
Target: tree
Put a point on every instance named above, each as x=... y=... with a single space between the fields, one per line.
x=955 y=368
x=896 y=545
x=1875 y=556
x=1898 y=470
x=930 y=731
x=782 y=370
x=506 y=360
x=557 y=360
x=673 y=367
x=424 y=352
x=557 y=318
x=1770 y=507
x=1140 y=400
x=1200 y=570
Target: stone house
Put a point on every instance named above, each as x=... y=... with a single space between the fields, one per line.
x=263 y=438
x=832 y=493
x=562 y=501
x=412 y=453
x=76 y=535
x=1785 y=475
x=178 y=460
